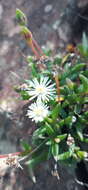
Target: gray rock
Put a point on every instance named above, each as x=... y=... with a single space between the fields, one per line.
x=48 y=8
x=1 y=11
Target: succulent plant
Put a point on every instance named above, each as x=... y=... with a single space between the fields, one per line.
x=62 y=133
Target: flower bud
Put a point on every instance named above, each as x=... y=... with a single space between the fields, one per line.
x=21 y=18
x=70 y=140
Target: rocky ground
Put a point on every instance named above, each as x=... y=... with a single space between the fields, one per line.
x=43 y=20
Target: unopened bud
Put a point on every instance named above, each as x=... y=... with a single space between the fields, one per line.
x=21 y=18
x=73 y=119
x=70 y=140
x=27 y=33
x=57 y=140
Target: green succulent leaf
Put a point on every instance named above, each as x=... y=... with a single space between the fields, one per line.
x=62 y=123
x=38 y=132
x=85 y=140
x=55 y=112
x=79 y=133
x=25 y=95
x=85 y=42
x=77 y=68
x=70 y=83
x=84 y=82
x=78 y=108
x=37 y=159
x=55 y=150
x=83 y=48
x=61 y=137
x=34 y=70
x=64 y=156
x=49 y=130
x=86 y=114
x=68 y=120
x=81 y=154
x=26 y=146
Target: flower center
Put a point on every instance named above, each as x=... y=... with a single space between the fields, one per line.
x=40 y=89
x=38 y=111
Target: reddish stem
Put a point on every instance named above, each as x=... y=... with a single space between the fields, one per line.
x=37 y=47
x=58 y=86
x=34 y=45
x=12 y=154
x=33 y=49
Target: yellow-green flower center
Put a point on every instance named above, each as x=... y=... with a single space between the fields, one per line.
x=38 y=111
x=40 y=89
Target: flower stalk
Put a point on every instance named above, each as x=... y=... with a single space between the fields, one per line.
x=57 y=86
x=32 y=42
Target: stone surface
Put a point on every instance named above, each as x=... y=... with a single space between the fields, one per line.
x=48 y=8
x=70 y=30
x=1 y=11
x=82 y=3
x=43 y=19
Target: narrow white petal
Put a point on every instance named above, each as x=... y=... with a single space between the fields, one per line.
x=37 y=111
x=42 y=90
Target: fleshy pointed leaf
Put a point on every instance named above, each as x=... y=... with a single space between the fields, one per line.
x=82 y=154
x=26 y=146
x=55 y=111
x=49 y=130
x=37 y=159
x=64 y=156
x=62 y=137
x=55 y=150
x=85 y=43
x=84 y=82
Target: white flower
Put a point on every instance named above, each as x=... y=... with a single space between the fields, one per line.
x=43 y=89
x=38 y=111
